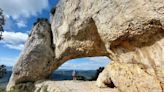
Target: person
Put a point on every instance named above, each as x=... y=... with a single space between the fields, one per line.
x=74 y=75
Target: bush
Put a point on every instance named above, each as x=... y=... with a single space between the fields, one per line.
x=2 y=89
x=79 y=77
x=98 y=71
x=3 y=71
x=53 y=10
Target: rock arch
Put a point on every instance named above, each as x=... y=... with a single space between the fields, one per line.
x=39 y=57
x=130 y=36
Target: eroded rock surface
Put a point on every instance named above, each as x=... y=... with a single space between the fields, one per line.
x=128 y=78
x=70 y=86
x=36 y=56
x=130 y=32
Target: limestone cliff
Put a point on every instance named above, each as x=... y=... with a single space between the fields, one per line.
x=130 y=32
x=37 y=51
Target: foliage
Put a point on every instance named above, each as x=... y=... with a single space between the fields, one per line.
x=2 y=89
x=2 y=22
x=53 y=10
x=40 y=19
x=3 y=70
x=79 y=77
x=98 y=71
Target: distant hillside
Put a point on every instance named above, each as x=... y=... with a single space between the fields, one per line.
x=67 y=74
x=9 y=68
x=5 y=79
x=57 y=75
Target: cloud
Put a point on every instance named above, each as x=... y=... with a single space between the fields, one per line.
x=25 y=8
x=88 y=63
x=14 y=40
x=9 y=61
x=99 y=59
x=16 y=46
x=22 y=9
x=21 y=24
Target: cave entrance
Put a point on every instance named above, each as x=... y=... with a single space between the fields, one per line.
x=84 y=69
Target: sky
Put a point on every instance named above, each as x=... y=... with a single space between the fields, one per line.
x=20 y=16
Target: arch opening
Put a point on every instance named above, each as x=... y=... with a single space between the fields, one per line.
x=84 y=69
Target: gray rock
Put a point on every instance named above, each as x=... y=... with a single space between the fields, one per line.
x=36 y=56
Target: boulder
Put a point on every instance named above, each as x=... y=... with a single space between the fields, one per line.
x=128 y=78
x=36 y=56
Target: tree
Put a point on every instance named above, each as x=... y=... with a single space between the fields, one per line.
x=3 y=70
x=98 y=71
x=53 y=10
x=2 y=23
x=80 y=77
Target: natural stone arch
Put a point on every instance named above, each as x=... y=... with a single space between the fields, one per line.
x=39 y=49
x=129 y=32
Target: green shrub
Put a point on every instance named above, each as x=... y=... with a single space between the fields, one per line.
x=2 y=89
x=79 y=77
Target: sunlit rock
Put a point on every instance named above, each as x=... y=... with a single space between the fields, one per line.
x=129 y=32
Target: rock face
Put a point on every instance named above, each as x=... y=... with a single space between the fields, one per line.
x=36 y=56
x=128 y=78
x=130 y=32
